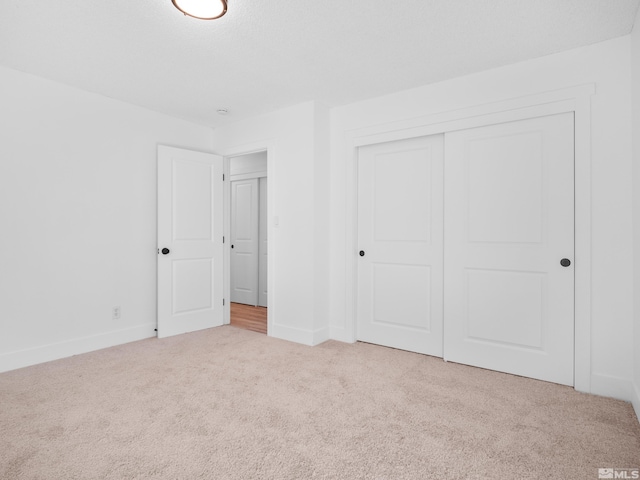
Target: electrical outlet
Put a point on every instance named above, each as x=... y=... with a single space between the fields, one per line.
x=115 y=313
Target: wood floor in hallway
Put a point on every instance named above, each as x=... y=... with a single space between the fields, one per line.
x=249 y=317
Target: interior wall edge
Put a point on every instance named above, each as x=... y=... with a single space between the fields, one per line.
x=635 y=94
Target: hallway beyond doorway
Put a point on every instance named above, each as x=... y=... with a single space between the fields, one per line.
x=249 y=317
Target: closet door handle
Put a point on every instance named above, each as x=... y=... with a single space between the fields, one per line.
x=231 y=246
x=565 y=262
x=362 y=253
x=165 y=251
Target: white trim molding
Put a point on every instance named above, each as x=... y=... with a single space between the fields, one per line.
x=247 y=176
x=610 y=386
x=575 y=99
x=55 y=351
x=635 y=399
x=298 y=335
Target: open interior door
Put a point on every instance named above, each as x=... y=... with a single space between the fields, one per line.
x=190 y=237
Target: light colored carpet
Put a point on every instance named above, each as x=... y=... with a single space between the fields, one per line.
x=232 y=404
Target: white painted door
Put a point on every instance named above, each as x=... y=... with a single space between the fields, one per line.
x=244 y=241
x=190 y=215
x=262 y=249
x=400 y=224
x=509 y=221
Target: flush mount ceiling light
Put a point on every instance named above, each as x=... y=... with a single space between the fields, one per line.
x=202 y=9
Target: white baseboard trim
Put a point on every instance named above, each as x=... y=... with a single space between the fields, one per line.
x=55 y=351
x=298 y=335
x=610 y=386
x=340 y=334
x=291 y=334
x=321 y=335
x=635 y=401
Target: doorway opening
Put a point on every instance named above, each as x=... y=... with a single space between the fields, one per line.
x=249 y=245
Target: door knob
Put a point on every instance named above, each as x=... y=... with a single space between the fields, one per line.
x=165 y=251
x=565 y=262
x=362 y=253
x=231 y=246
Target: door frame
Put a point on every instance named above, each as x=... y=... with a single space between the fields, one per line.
x=575 y=99
x=269 y=147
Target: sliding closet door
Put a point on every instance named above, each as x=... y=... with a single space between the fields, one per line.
x=509 y=243
x=400 y=254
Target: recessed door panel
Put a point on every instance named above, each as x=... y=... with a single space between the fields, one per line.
x=192 y=205
x=402 y=204
x=506 y=307
x=505 y=191
x=407 y=285
x=192 y=285
x=244 y=196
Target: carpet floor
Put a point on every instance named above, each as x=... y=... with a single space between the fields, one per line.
x=227 y=403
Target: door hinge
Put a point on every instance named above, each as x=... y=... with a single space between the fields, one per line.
x=223 y=239
x=223 y=301
x=223 y=177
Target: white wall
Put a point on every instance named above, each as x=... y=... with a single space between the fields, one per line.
x=635 y=75
x=605 y=64
x=78 y=210
x=255 y=163
x=297 y=142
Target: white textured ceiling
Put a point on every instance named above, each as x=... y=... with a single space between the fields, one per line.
x=268 y=54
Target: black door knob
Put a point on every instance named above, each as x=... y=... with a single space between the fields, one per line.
x=565 y=262
x=165 y=251
x=362 y=253
x=231 y=246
